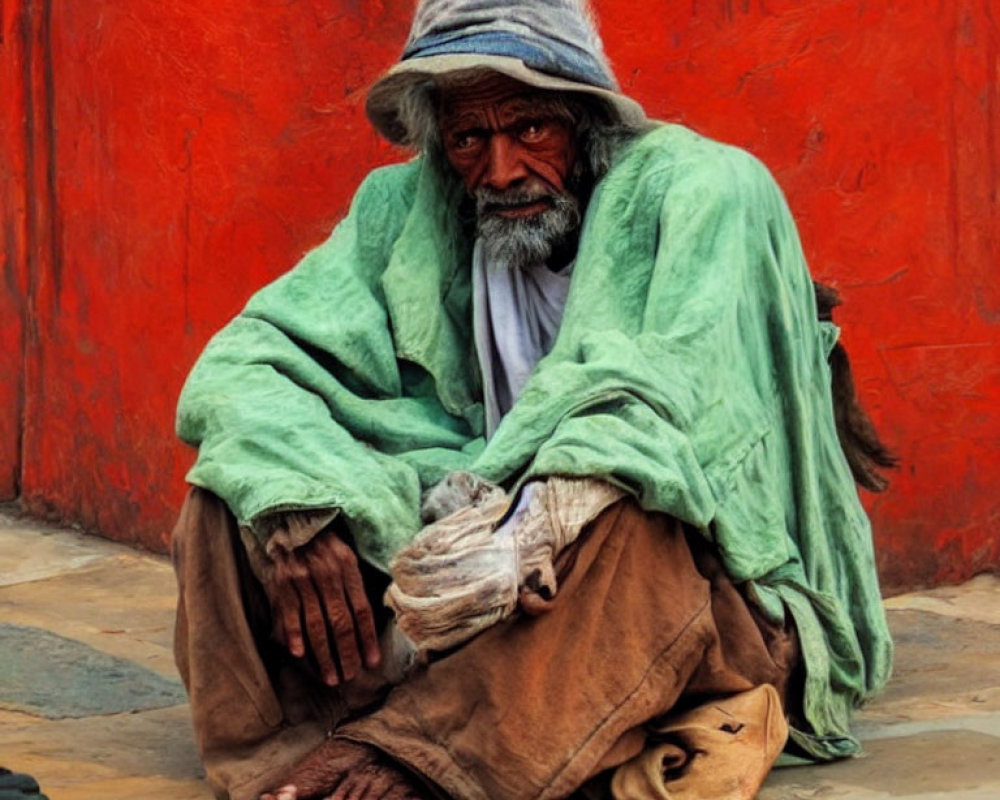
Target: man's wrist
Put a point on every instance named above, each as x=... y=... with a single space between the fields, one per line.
x=272 y=536
x=285 y=531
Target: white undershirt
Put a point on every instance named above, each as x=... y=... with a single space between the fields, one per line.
x=516 y=315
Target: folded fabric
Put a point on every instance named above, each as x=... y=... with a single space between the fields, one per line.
x=461 y=574
x=722 y=750
x=457 y=490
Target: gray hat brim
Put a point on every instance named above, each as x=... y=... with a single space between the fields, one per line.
x=382 y=105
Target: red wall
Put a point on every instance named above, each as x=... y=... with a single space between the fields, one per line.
x=163 y=158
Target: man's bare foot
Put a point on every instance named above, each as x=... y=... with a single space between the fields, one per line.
x=341 y=770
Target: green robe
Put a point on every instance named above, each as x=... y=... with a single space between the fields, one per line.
x=690 y=369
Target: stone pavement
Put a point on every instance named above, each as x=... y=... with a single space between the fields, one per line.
x=79 y=615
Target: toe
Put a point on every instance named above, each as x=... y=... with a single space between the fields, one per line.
x=284 y=793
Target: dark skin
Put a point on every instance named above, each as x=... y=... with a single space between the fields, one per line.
x=341 y=770
x=500 y=135
x=320 y=609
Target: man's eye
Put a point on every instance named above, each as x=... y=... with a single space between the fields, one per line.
x=465 y=141
x=533 y=132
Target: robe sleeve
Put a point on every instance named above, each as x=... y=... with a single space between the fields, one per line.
x=287 y=402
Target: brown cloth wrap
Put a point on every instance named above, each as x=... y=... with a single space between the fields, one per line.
x=533 y=707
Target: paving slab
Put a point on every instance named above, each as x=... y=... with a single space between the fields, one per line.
x=31 y=551
x=112 y=757
x=977 y=599
x=935 y=731
x=934 y=734
x=122 y=603
x=112 y=606
x=55 y=677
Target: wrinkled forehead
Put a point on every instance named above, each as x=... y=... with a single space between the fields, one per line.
x=477 y=93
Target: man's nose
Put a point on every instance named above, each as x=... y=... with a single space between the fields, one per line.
x=506 y=166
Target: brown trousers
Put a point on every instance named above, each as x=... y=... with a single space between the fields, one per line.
x=645 y=623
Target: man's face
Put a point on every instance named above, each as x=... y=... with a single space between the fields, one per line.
x=514 y=148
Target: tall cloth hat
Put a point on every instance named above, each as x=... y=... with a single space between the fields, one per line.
x=549 y=44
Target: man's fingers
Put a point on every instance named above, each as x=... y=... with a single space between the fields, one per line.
x=288 y=623
x=347 y=607
x=364 y=619
x=286 y=608
x=284 y=793
x=363 y=783
x=347 y=645
x=315 y=624
x=330 y=586
x=336 y=614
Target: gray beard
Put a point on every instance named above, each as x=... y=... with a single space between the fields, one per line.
x=523 y=242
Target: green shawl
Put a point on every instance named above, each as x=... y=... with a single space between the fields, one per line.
x=690 y=369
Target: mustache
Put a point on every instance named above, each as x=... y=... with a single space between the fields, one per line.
x=492 y=201
x=521 y=242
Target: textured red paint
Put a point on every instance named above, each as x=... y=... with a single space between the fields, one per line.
x=13 y=130
x=200 y=148
x=22 y=171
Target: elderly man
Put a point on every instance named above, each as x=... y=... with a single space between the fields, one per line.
x=561 y=375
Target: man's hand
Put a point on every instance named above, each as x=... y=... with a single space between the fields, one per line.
x=317 y=596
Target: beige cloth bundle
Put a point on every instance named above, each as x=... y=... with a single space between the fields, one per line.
x=722 y=750
x=461 y=575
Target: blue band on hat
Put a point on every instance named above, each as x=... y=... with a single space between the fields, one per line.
x=551 y=57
